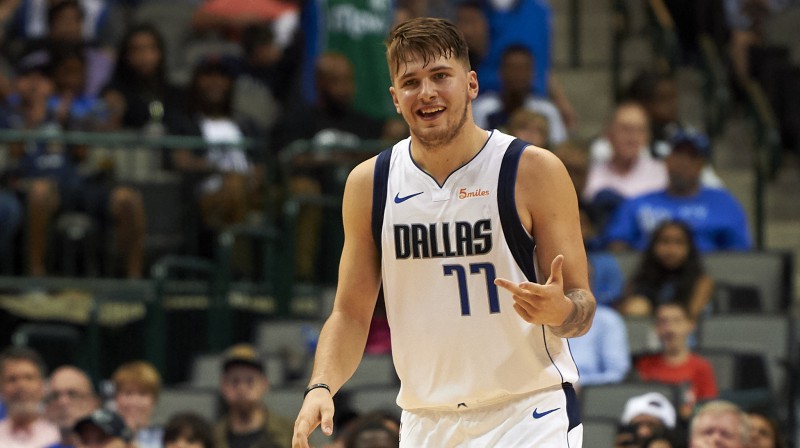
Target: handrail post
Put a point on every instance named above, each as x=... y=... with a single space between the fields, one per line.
x=575 y=33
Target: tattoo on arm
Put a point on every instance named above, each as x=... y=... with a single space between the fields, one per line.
x=580 y=319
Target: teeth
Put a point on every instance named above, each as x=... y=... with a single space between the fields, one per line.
x=432 y=110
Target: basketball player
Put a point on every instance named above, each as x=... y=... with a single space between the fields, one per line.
x=448 y=221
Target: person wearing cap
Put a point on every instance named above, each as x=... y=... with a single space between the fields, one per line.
x=716 y=217
x=719 y=424
x=22 y=388
x=248 y=423
x=70 y=396
x=103 y=428
x=645 y=416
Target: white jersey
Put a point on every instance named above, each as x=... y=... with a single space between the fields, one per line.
x=456 y=338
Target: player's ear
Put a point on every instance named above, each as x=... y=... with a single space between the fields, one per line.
x=394 y=99
x=472 y=84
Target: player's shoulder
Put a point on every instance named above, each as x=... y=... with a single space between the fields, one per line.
x=541 y=163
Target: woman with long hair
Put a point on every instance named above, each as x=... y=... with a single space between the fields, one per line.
x=670 y=270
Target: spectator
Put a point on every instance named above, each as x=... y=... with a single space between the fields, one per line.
x=22 y=389
x=66 y=20
x=268 y=82
x=716 y=217
x=645 y=416
x=372 y=431
x=658 y=93
x=602 y=354
x=139 y=92
x=676 y=363
x=670 y=270
x=247 y=422
x=136 y=388
x=630 y=171
x=333 y=118
x=529 y=126
x=104 y=429
x=188 y=430
x=230 y=177
x=719 y=424
x=55 y=178
x=764 y=431
x=356 y=30
x=70 y=396
x=470 y=19
x=31 y=21
x=526 y=22
x=492 y=110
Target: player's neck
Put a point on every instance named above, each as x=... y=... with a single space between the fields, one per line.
x=440 y=161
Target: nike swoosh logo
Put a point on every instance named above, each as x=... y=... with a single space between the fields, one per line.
x=538 y=415
x=398 y=199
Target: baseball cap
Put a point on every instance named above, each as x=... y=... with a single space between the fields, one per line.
x=653 y=404
x=108 y=421
x=242 y=354
x=690 y=141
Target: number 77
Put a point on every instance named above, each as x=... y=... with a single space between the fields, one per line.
x=461 y=276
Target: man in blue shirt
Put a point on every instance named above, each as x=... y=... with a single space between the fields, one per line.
x=602 y=354
x=716 y=217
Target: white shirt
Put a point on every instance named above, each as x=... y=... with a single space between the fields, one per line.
x=489 y=103
x=41 y=433
x=645 y=175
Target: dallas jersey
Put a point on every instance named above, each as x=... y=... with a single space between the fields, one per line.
x=456 y=338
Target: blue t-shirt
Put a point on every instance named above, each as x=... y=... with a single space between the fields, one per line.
x=605 y=277
x=527 y=23
x=716 y=218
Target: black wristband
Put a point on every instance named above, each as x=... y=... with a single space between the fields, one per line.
x=316 y=386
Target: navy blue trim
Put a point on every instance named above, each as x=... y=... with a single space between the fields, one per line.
x=517 y=239
x=549 y=356
x=573 y=408
x=380 y=184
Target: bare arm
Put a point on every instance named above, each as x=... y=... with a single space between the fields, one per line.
x=344 y=335
x=548 y=208
x=701 y=295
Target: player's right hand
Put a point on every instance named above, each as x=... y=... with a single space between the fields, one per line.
x=317 y=410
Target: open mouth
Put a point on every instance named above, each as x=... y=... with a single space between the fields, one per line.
x=430 y=113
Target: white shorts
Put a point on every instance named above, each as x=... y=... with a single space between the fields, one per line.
x=548 y=418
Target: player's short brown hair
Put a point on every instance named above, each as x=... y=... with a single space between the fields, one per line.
x=427 y=38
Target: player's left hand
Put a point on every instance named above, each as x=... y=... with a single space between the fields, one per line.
x=541 y=304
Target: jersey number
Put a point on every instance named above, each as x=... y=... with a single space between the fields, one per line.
x=474 y=268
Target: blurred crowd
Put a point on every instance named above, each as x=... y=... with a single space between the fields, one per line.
x=279 y=71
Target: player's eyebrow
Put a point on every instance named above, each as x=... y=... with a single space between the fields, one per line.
x=432 y=69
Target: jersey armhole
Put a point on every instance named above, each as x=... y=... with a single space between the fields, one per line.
x=520 y=244
x=379 y=189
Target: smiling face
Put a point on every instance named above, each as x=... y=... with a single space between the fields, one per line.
x=434 y=98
